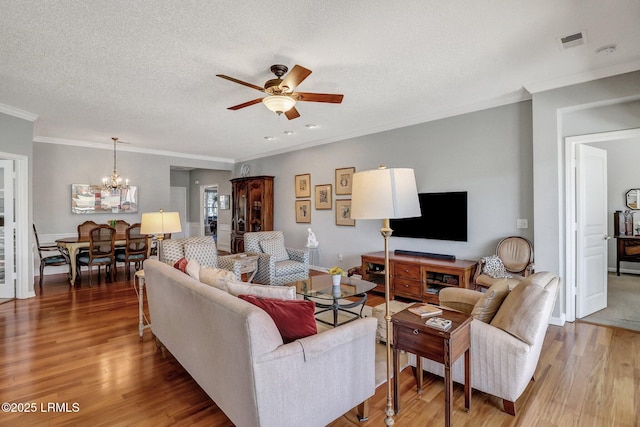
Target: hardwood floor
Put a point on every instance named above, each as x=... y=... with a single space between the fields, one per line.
x=80 y=346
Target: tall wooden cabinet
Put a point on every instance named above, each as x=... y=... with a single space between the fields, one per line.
x=252 y=208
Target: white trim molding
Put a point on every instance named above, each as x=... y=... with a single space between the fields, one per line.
x=16 y=112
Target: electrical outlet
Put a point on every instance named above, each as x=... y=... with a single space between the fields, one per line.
x=522 y=223
x=339 y=257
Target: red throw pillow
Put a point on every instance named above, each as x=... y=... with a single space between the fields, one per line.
x=294 y=318
x=181 y=265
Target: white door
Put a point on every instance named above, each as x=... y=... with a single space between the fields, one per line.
x=591 y=222
x=178 y=202
x=7 y=228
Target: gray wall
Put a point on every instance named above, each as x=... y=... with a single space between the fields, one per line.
x=549 y=111
x=486 y=153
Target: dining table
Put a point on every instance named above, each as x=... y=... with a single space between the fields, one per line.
x=71 y=245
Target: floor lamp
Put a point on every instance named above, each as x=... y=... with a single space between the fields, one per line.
x=385 y=194
x=160 y=223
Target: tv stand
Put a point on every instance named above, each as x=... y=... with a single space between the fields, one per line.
x=417 y=277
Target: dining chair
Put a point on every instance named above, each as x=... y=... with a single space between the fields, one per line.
x=84 y=230
x=135 y=251
x=101 y=251
x=121 y=227
x=58 y=259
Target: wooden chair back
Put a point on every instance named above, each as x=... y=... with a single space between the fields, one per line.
x=84 y=230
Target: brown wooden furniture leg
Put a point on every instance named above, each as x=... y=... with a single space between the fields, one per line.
x=448 y=384
x=467 y=380
x=363 y=411
x=419 y=374
x=509 y=407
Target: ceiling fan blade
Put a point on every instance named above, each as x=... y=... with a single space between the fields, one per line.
x=294 y=78
x=252 y=86
x=246 y=104
x=333 y=98
x=292 y=113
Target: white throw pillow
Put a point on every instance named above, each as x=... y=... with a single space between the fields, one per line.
x=216 y=277
x=275 y=248
x=493 y=267
x=193 y=269
x=236 y=288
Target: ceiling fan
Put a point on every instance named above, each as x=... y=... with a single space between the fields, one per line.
x=281 y=97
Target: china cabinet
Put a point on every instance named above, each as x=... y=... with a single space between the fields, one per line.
x=252 y=208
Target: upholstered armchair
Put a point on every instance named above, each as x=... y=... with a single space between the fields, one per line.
x=277 y=264
x=507 y=333
x=513 y=260
x=203 y=249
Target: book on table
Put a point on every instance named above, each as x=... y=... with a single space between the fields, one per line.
x=438 y=323
x=425 y=310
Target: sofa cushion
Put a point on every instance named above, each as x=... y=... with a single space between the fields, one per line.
x=181 y=264
x=275 y=248
x=294 y=319
x=216 y=277
x=236 y=288
x=205 y=253
x=193 y=269
x=520 y=312
x=488 y=305
x=494 y=267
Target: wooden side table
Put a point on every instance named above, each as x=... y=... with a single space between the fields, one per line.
x=412 y=335
x=248 y=264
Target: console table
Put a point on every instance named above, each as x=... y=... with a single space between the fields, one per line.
x=416 y=277
x=628 y=250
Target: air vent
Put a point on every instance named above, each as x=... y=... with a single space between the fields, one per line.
x=572 y=40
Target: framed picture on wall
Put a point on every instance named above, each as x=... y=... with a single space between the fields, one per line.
x=343 y=213
x=303 y=185
x=323 y=196
x=344 y=177
x=303 y=211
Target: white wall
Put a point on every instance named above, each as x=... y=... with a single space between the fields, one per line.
x=486 y=153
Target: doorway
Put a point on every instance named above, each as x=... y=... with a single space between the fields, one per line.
x=209 y=210
x=577 y=289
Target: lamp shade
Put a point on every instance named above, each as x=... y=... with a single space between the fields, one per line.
x=279 y=103
x=384 y=194
x=160 y=223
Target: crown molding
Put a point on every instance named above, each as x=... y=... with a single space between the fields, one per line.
x=584 y=77
x=16 y=112
x=123 y=147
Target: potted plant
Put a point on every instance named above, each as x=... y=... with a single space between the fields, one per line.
x=336 y=273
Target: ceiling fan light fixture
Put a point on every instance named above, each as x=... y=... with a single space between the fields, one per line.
x=279 y=103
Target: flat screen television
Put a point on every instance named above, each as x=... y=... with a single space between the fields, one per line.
x=444 y=217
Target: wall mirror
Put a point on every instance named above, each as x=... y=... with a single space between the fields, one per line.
x=633 y=197
x=90 y=199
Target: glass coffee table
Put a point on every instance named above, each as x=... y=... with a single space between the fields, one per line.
x=319 y=289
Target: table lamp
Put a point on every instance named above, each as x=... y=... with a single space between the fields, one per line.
x=384 y=194
x=160 y=223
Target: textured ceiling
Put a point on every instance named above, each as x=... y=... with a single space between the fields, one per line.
x=145 y=71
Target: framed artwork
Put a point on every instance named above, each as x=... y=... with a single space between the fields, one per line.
x=344 y=178
x=343 y=213
x=93 y=199
x=303 y=185
x=323 y=196
x=224 y=202
x=303 y=211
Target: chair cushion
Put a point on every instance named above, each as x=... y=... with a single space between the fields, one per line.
x=56 y=259
x=236 y=288
x=295 y=319
x=520 y=312
x=216 y=277
x=205 y=253
x=193 y=269
x=488 y=305
x=275 y=248
x=284 y=268
x=181 y=265
x=85 y=260
x=494 y=267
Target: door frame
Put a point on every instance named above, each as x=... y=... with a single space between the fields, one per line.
x=201 y=204
x=570 y=206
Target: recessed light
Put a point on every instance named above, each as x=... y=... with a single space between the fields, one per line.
x=311 y=126
x=269 y=138
x=288 y=132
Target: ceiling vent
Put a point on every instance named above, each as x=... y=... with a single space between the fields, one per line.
x=572 y=40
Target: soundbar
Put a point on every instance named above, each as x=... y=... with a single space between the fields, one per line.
x=425 y=254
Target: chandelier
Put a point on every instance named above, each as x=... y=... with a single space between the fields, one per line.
x=114 y=182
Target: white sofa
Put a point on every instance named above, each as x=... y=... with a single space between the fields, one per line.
x=234 y=351
x=504 y=352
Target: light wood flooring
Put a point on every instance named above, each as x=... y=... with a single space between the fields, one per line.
x=80 y=345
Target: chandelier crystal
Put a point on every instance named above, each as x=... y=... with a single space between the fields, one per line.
x=114 y=182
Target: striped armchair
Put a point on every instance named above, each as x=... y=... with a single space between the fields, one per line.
x=277 y=265
x=203 y=249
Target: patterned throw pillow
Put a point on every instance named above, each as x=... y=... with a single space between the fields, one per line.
x=493 y=267
x=275 y=248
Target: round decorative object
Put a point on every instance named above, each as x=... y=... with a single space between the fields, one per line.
x=244 y=171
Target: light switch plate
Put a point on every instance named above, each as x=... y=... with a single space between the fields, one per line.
x=522 y=223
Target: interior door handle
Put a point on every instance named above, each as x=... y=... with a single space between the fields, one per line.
x=605 y=237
